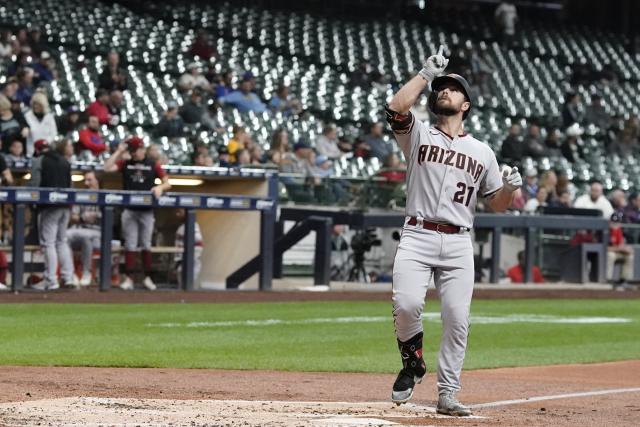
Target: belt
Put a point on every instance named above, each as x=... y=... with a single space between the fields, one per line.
x=437 y=226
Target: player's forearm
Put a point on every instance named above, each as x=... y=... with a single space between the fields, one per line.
x=501 y=201
x=408 y=94
x=110 y=163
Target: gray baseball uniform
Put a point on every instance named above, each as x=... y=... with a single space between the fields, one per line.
x=445 y=175
x=86 y=234
x=52 y=229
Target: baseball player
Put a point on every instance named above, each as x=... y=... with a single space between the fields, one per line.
x=53 y=220
x=447 y=171
x=138 y=174
x=84 y=232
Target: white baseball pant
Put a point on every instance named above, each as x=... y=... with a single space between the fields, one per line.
x=448 y=259
x=86 y=239
x=52 y=233
x=137 y=227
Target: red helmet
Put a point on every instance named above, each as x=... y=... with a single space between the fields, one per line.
x=134 y=142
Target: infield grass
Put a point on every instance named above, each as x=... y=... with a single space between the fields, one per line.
x=308 y=336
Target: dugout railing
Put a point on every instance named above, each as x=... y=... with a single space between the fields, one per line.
x=108 y=200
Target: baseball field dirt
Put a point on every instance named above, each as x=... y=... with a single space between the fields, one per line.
x=560 y=395
x=594 y=395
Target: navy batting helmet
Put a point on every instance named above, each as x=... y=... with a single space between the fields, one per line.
x=439 y=82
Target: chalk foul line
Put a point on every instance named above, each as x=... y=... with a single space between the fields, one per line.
x=476 y=319
x=554 y=397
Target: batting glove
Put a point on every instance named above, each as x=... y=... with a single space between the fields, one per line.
x=511 y=178
x=434 y=66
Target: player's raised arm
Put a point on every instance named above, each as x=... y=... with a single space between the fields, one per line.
x=408 y=94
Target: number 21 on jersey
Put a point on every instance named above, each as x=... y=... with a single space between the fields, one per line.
x=464 y=194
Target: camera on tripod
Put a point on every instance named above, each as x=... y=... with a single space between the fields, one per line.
x=361 y=243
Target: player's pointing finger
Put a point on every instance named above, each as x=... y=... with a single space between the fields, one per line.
x=440 y=50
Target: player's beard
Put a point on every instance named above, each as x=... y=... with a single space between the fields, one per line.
x=448 y=109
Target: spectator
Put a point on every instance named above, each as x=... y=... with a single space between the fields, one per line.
x=12 y=127
x=10 y=88
x=193 y=79
x=572 y=146
x=237 y=142
x=23 y=60
x=283 y=101
x=6 y=51
x=54 y=219
x=279 y=147
x=224 y=159
x=35 y=41
x=155 y=154
x=549 y=180
x=84 y=233
x=100 y=107
x=202 y=159
x=626 y=142
x=114 y=105
x=69 y=122
x=225 y=87
x=90 y=140
x=300 y=160
x=201 y=46
x=361 y=76
x=631 y=213
x=516 y=273
x=530 y=187
x=533 y=144
x=393 y=169
x=44 y=69
x=618 y=251
x=564 y=184
x=506 y=16
x=243 y=157
x=327 y=143
x=571 y=113
x=210 y=118
x=171 y=125
x=563 y=200
x=323 y=167
x=595 y=200
x=243 y=99
x=191 y=112
x=378 y=147
x=256 y=155
x=16 y=151
x=618 y=200
x=42 y=123
x=138 y=174
x=482 y=68
x=113 y=76
x=25 y=85
x=512 y=149
x=596 y=114
x=553 y=143
x=198 y=247
x=533 y=204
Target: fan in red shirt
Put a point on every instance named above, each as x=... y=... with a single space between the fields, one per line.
x=90 y=138
x=516 y=273
x=618 y=251
x=100 y=107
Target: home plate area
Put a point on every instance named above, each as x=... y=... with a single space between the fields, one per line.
x=107 y=411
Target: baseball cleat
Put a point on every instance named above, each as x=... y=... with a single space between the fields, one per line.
x=449 y=405
x=44 y=286
x=86 y=279
x=403 y=387
x=127 y=284
x=148 y=283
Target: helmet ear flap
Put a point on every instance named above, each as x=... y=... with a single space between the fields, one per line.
x=431 y=101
